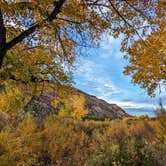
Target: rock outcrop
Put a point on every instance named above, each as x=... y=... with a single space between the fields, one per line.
x=41 y=106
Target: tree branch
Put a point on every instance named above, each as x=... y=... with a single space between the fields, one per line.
x=32 y=29
x=21 y=37
x=33 y=79
x=71 y=21
x=125 y=21
x=137 y=10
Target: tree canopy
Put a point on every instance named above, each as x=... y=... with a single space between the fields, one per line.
x=40 y=39
x=147 y=58
x=148 y=64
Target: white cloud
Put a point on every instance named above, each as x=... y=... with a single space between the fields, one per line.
x=86 y=66
x=106 y=87
x=126 y=104
x=109 y=85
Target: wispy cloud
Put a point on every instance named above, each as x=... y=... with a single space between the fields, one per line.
x=92 y=73
x=134 y=108
x=132 y=104
x=110 y=48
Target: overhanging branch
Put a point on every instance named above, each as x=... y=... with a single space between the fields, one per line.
x=125 y=21
x=21 y=37
x=26 y=33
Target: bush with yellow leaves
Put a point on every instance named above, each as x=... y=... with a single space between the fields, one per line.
x=73 y=142
x=74 y=107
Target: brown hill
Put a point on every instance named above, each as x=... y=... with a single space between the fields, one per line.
x=97 y=108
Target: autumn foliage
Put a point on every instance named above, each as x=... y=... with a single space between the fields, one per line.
x=63 y=141
x=74 y=107
x=39 y=43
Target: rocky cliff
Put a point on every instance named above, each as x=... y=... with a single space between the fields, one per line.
x=97 y=108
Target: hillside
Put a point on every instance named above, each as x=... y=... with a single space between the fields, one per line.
x=97 y=108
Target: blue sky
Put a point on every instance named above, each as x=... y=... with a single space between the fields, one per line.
x=101 y=74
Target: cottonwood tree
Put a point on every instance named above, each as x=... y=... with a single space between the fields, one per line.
x=74 y=106
x=37 y=37
x=148 y=57
x=39 y=40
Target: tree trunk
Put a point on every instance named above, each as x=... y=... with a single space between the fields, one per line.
x=2 y=55
x=2 y=38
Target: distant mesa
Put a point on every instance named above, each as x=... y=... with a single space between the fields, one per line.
x=41 y=106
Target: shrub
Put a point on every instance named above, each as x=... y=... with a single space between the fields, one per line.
x=67 y=141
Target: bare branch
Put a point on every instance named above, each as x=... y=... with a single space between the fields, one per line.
x=125 y=21
x=137 y=10
x=67 y=20
x=62 y=46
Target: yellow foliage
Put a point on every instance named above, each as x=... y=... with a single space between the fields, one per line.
x=20 y=143
x=12 y=98
x=148 y=58
x=64 y=141
x=74 y=107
